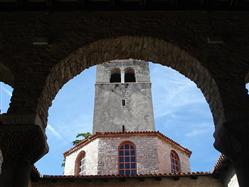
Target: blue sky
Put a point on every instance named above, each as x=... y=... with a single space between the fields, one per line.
x=181 y=113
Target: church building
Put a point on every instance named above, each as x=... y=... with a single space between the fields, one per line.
x=124 y=140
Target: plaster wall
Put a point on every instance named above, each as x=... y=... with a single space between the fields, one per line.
x=231 y=178
x=164 y=150
x=201 y=181
x=109 y=112
x=91 y=159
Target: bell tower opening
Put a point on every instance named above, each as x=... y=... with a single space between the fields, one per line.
x=130 y=75
x=115 y=75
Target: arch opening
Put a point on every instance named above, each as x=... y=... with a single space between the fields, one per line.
x=130 y=75
x=176 y=58
x=175 y=162
x=79 y=163
x=173 y=108
x=115 y=75
x=127 y=164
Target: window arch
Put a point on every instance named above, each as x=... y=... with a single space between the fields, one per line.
x=79 y=166
x=175 y=162
x=127 y=164
x=130 y=75
x=115 y=75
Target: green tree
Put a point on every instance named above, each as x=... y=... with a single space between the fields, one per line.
x=79 y=137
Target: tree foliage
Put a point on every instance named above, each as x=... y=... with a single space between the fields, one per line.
x=78 y=138
x=81 y=136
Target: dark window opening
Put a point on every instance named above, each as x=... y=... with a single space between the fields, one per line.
x=115 y=75
x=123 y=102
x=130 y=75
x=123 y=128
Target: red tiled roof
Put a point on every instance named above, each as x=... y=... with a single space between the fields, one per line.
x=189 y=174
x=126 y=133
x=219 y=162
x=221 y=165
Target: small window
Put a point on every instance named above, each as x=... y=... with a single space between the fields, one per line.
x=115 y=75
x=175 y=162
x=123 y=102
x=130 y=75
x=127 y=159
x=79 y=166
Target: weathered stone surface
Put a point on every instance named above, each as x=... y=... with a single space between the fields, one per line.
x=110 y=115
x=152 y=155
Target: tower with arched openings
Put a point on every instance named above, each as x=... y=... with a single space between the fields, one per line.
x=124 y=140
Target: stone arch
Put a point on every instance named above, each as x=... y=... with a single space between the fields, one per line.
x=6 y=75
x=77 y=163
x=175 y=162
x=144 y=48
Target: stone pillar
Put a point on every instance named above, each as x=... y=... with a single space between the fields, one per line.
x=21 y=146
x=232 y=139
x=241 y=165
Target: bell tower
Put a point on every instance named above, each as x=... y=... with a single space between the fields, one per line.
x=123 y=100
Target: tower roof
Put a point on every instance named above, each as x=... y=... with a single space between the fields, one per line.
x=126 y=134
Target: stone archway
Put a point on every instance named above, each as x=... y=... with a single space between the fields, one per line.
x=144 y=48
x=6 y=75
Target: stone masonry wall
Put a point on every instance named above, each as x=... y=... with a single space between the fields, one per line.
x=140 y=67
x=109 y=112
x=146 y=154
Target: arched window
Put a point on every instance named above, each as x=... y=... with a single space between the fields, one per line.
x=127 y=164
x=130 y=75
x=115 y=75
x=175 y=162
x=79 y=166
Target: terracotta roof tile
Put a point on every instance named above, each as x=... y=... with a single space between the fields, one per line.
x=126 y=133
x=188 y=174
x=221 y=165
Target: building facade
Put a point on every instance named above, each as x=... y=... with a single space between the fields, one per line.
x=124 y=140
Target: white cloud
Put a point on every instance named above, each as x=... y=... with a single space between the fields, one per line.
x=54 y=131
x=199 y=129
x=174 y=94
x=196 y=132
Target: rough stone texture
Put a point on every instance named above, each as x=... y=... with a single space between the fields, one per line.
x=109 y=114
x=201 y=181
x=146 y=154
x=153 y=156
x=91 y=159
x=183 y=40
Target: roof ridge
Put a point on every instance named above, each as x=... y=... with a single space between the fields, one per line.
x=99 y=134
